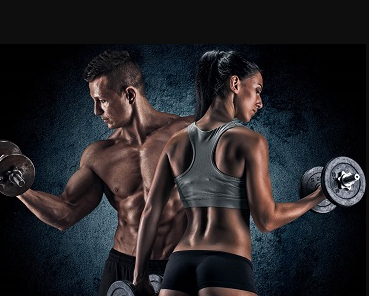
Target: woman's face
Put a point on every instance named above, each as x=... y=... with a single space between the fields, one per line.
x=247 y=100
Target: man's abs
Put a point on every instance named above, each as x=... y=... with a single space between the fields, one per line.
x=171 y=227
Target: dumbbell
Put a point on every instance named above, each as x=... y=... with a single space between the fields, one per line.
x=342 y=180
x=127 y=288
x=17 y=171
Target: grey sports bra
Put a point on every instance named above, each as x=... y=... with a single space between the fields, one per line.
x=203 y=184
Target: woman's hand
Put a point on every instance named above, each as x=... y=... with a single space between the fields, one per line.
x=144 y=287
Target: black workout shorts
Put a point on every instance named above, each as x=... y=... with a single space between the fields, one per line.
x=190 y=271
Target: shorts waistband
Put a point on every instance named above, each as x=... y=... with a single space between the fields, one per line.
x=121 y=256
x=129 y=259
x=214 y=252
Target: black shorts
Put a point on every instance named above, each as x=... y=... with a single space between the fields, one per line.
x=119 y=266
x=190 y=271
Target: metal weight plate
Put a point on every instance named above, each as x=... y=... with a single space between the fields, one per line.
x=8 y=148
x=121 y=288
x=156 y=280
x=16 y=167
x=332 y=186
x=310 y=181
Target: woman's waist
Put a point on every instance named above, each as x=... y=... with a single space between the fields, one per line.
x=239 y=245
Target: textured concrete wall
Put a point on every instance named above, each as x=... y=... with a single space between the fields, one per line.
x=314 y=109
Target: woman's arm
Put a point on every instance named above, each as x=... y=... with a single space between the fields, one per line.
x=267 y=214
x=162 y=186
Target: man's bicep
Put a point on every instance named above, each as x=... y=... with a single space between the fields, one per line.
x=83 y=189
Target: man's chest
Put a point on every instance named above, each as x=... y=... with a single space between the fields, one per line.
x=128 y=170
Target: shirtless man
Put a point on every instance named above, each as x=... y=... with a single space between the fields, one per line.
x=121 y=167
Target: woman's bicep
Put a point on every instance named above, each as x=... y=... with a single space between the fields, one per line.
x=258 y=183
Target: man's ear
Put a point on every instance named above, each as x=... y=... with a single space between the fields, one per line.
x=131 y=95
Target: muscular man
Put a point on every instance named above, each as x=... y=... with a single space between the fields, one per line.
x=121 y=167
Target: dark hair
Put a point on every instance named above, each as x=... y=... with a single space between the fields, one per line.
x=118 y=66
x=214 y=69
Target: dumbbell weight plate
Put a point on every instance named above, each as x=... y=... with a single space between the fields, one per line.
x=26 y=168
x=331 y=186
x=121 y=288
x=310 y=181
x=8 y=148
x=126 y=288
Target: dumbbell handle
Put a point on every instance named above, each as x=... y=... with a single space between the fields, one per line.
x=347 y=179
x=16 y=177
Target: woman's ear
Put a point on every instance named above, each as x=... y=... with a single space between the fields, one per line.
x=234 y=83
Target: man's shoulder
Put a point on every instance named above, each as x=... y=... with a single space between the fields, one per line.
x=188 y=118
x=99 y=145
x=179 y=123
x=184 y=120
x=96 y=150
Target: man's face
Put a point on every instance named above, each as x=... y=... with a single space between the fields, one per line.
x=113 y=108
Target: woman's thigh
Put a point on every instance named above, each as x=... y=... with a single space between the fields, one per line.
x=166 y=292
x=219 y=291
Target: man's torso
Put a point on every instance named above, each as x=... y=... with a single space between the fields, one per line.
x=127 y=170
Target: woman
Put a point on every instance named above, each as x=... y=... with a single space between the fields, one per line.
x=221 y=169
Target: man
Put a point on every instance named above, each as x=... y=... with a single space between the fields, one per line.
x=121 y=167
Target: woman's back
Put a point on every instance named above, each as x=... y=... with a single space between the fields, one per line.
x=210 y=177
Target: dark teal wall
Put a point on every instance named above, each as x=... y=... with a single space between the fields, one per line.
x=314 y=109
